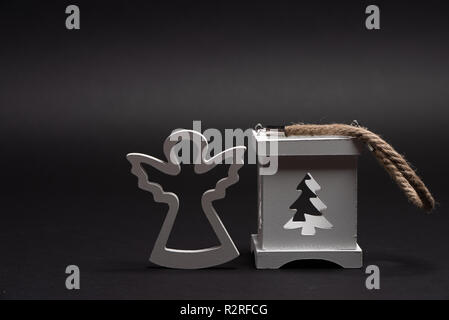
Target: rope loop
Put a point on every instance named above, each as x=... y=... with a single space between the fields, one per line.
x=397 y=167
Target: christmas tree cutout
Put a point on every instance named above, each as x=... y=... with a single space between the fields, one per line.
x=308 y=209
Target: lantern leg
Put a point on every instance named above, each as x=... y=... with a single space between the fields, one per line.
x=274 y=259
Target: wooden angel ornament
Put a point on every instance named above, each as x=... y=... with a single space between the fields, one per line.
x=189 y=259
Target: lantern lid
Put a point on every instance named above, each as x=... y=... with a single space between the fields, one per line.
x=266 y=140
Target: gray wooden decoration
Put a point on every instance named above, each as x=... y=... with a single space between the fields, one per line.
x=308 y=207
x=189 y=259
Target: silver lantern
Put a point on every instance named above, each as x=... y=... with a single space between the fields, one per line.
x=307 y=199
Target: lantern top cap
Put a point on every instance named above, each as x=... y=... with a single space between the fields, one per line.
x=304 y=145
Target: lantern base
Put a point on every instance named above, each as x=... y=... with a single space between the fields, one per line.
x=274 y=259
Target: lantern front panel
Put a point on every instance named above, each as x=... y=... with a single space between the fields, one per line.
x=310 y=203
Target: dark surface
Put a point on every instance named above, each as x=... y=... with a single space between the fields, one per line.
x=73 y=103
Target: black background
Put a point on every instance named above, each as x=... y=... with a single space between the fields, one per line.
x=74 y=103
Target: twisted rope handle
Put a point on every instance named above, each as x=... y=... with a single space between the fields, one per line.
x=395 y=164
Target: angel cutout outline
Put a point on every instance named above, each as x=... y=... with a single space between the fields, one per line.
x=190 y=259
